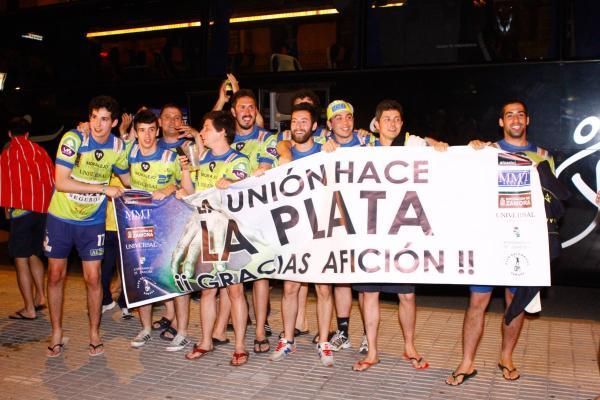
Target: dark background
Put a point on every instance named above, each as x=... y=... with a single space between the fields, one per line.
x=447 y=61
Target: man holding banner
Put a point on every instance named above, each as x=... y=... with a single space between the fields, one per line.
x=513 y=120
x=219 y=167
x=388 y=122
x=156 y=170
x=303 y=124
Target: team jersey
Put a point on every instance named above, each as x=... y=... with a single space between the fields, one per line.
x=296 y=154
x=260 y=146
x=231 y=165
x=357 y=140
x=154 y=171
x=531 y=151
x=90 y=162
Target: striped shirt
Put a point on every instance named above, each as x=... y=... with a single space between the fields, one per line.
x=26 y=176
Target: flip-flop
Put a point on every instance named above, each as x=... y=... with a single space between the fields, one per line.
x=53 y=352
x=19 y=315
x=464 y=375
x=258 y=344
x=239 y=358
x=197 y=352
x=40 y=307
x=96 y=349
x=219 y=342
x=416 y=360
x=363 y=365
x=162 y=324
x=505 y=368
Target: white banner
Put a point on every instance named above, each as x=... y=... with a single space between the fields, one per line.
x=388 y=214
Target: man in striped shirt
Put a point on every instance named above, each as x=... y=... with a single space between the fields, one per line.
x=26 y=183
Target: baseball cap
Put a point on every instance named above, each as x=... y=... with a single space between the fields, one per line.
x=338 y=106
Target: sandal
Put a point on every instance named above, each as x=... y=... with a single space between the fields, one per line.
x=297 y=332
x=219 y=342
x=54 y=352
x=509 y=371
x=464 y=376
x=417 y=363
x=162 y=324
x=164 y=335
x=258 y=346
x=239 y=358
x=96 y=350
x=197 y=352
x=363 y=365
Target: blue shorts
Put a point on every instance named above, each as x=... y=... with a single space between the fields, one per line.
x=61 y=236
x=488 y=289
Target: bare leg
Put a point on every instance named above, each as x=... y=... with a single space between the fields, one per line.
x=301 y=322
x=182 y=311
x=239 y=314
x=146 y=317
x=208 y=314
x=407 y=314
x=343 y=300
x=37 y=273
x=25 y=282
x=260 y=299
x=472 y=331
x=91 y=276
x=289 y=308
x=324 y=309
x=371 y=319
x=223 y=315
x=170 y=313
x=57 y=272
x=510 y=336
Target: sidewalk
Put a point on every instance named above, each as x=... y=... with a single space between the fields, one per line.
x=557 y=357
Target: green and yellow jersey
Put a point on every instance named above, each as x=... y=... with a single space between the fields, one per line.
x=231 y=165
x=90 y=162
x=155 y=171
x=260 y=146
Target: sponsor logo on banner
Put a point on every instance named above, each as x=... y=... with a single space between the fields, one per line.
x=147 y=286
x=516 y=178
x=515 y=214
x=67 y=151
x=144 y=232
x=512 y=159
x=514 y=200
x=517 y=262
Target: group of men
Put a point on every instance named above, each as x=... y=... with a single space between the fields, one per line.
x=231 y=145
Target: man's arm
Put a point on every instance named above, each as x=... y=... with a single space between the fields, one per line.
x=284 y=149
x=64 y=183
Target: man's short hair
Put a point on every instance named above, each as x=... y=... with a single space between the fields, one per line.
x=242 y=93
x=18 y=126
x=513 y=101
x=170 y=105
x=145 y=117
x=222 y=120
x=306 y=107
x=303 y=93
x=111 y=105
x=386 y=105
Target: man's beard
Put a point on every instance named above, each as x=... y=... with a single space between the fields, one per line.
x=301 y=138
